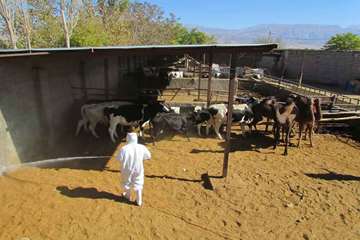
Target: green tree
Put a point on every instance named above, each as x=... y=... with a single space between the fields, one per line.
x=59 y=23
x=7 y=20
x=90 y=32
x=47 y=30
x=194 y=36
x=346 y=41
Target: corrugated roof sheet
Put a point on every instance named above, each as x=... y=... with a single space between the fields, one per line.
x=137 y=47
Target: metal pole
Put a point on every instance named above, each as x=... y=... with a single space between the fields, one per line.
x=200 y=71
x=209 y=79
x=233 y=60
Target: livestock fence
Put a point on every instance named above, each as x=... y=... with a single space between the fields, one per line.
x=339 y=110
x=305 y=89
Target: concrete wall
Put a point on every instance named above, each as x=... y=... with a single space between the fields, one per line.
x=320 y=67
x=39 y=105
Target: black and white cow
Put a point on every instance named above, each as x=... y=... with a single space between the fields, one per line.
x=216 y=115
x=132 y=115
x=243 y=117
x=207 y=116
x=92 y=114
x=164 y=123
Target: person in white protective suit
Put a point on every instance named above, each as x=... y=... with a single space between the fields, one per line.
x=132 y=157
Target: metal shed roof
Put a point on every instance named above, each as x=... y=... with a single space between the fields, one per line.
x=146 y=49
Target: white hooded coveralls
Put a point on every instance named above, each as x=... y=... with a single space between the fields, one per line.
x=132 y=157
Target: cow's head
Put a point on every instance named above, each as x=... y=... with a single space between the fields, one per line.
x=201 y=116
x=157 y=107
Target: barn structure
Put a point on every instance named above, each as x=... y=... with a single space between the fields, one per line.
x=41 y=90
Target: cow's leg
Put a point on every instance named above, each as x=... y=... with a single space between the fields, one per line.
x=249 y=125
x=217 y=129
x=86 y=125
x=198 y=126
x=92 y=127
x=276 y=130
x=282 y=134
x=242 y=126
x=267 y=124
x=305 y=134
x=112 y=129
x=207 y=129
x=153 y=133
x=80 y=124
x=301 y=128
x=287 y=140
x=187 y=135
x=142 y=125
x=310 y=127
x=254 y=125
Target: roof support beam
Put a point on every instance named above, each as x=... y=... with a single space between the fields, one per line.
x=208 y=102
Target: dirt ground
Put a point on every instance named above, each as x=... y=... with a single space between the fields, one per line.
x=185 y=96
x=314 y=193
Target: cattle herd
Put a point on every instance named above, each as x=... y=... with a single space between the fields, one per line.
x=248 y=111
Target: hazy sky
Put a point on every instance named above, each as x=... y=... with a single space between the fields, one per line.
x=244 y=13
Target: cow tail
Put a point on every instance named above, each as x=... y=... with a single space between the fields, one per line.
x=83 y=111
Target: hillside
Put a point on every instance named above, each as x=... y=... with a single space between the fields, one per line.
x=294 y=36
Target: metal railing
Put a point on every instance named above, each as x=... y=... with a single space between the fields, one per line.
x=292 y=85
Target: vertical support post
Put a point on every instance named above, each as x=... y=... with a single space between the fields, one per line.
x=284 y=65
x=200 y=71
x=83 y=81
x=186 y=62
x=209 y=79
x=106 y=78
x=233 y=62
x=301 y=70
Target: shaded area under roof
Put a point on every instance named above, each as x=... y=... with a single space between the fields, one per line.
x=146 y=49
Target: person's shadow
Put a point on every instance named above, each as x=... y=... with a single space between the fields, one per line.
x=91 y=193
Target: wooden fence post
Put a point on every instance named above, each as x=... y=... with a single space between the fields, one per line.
x=200 y=71
x=233 y=62
x=209 y=79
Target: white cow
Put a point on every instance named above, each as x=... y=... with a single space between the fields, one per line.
x=176 y=74
x=220 y=117
x=217 y=119
x=92 y=114
x=175 y=109
x=243 y=107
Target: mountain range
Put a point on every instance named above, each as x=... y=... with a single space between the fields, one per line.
x=290 y=35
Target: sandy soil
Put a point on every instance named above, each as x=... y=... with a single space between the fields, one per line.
x=314 y=193
x=185 y=96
